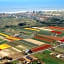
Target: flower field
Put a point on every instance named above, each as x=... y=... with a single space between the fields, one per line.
x=39 y=48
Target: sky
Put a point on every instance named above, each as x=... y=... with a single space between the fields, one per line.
x=19 y=5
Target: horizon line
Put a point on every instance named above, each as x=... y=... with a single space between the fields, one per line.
x=22 y=11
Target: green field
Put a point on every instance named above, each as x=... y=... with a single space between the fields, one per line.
x=45 y=57
x=58 y=49
x=2 y=41
x=42 y=41
x=45 y=32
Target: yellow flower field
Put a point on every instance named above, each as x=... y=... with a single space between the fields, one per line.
x=3 y=34
x=10 y=37
x=4 y=46
x=32 y=29
x=13 y=38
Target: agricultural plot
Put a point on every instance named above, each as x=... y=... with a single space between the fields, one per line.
x=28 y=44
x=23 y=29
x=10 y=52
x=44 y=39
x=7 y=52
x=48 y=38
x=41 y=40
x=4 y=46
x=41 y=36
x=40 y=48
x=45 y=57
x=15 y=45
x=56 y=27
x=21 y=45
x=44 y=32
x=60 y=49
x=47 y=31
x=43 y=28
x=34 y=41
x=2 y=41
x=61 y=35
x=33 y=29
x=10 y=38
